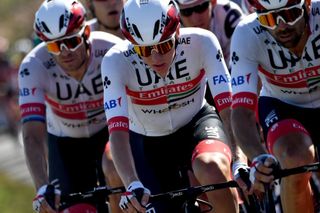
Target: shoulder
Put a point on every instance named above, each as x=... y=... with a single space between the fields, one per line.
x=195 y=32
x=198 y=40
x=104 y=37
x=314 y=13
x=38 y=56
x=120 y=51
x=248 y=24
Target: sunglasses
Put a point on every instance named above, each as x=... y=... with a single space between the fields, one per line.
x=162 y=47
x=289 y=15
x=71 y=43
x=197 y=9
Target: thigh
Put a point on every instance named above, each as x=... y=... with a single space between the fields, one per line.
x=207 y=125
x=273 y=113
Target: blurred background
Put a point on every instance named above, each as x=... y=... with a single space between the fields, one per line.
x=16 y=40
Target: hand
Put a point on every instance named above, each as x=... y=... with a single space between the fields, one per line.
x=47 y=199
x=135 y=198
x=241 y=173
x=261 y=171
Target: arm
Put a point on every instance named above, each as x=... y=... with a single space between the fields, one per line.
x=34 y=139
x=122 y=156
x=237 y=153
x=246 y=132
x=114 y=68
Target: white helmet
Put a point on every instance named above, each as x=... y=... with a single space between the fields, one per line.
x=57 y=18
x=148 y=22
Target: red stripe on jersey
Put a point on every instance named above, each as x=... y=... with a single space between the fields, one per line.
x=223 y=100
x=160 y=95
x=118 y=123
x=78 y=111
x=297 y=79
x=245 y=99
x=33 y=109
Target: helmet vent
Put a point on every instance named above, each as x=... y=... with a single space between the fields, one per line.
x=45 y=27
x=156 y=28
x=61 y=22
x=136 y=31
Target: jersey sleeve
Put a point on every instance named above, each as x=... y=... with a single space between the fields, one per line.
x=217 y=73
x=244 y=67
x=31 y=90
x=113 y=70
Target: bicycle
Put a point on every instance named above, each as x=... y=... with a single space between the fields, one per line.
x=189 y=195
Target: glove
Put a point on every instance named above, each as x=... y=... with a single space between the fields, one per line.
x=240 y=173
x=45 y=192
x=135 y=189
x=261 y=159
x=237 y=166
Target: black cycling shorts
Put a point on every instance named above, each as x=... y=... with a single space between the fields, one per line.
x=162 y=162
x=76 y=162
x=272 y=110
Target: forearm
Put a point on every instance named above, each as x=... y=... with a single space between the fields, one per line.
x=237 y=153
x=246 y=132
x=36 y=157
x=122 y=157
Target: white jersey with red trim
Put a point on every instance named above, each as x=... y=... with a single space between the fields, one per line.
x=70 y=108
x=157 y=106
x=225 y=17
x=285 y=76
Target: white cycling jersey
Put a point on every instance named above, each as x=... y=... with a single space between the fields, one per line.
x=225 y=17
x=284 y=75
x=159 y=106
x=70 y=108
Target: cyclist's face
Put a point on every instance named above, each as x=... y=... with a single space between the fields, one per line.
x=108 y=11
x=289 y=35
x=71 y=61
x=198 y=14
x=160 y=63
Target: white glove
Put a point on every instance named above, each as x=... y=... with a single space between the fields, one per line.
x=261 y=159
x=40 y=197
x=135 y=189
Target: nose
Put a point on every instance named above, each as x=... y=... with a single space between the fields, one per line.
x=64 y=50
x=155 y=55
x=282 y=24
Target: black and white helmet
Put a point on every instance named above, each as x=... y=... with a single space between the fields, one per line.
x=57 y=18
x=148 y=22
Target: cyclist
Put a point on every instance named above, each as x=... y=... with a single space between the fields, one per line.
x=158 y=119
x=278 y=43
x=61 y=103
x=106 y=15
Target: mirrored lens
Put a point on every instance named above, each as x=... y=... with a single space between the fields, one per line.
x=71 y=42
x=288 y=15
x=162 y=48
